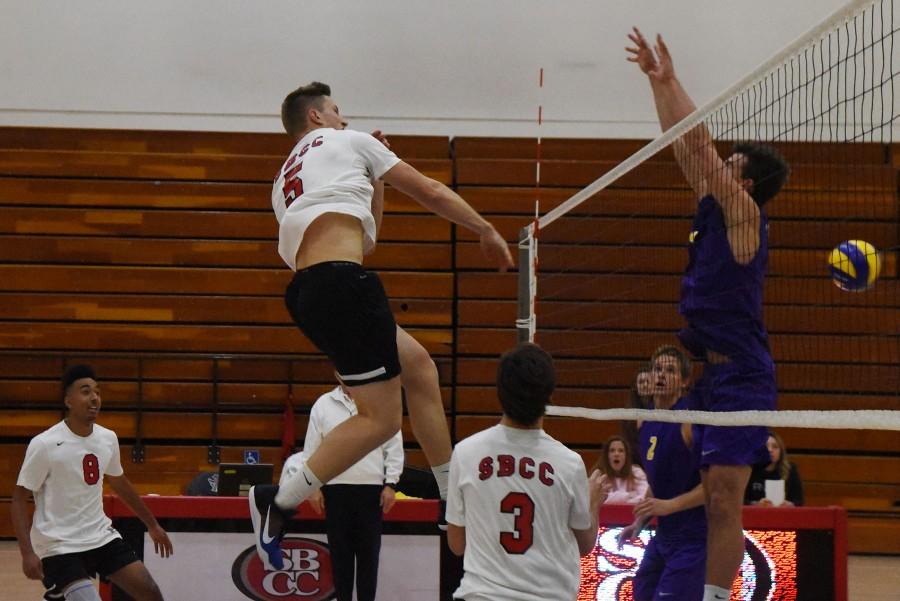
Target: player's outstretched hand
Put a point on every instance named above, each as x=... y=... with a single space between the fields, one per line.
x=652 y=507
x=599 y=487
x=628 y=532
x=495 y=248
x=379 y=135
x=31 y=566
x=161 y=543
x=655 y=62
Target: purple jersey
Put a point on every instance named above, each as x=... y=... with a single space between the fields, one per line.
x=720 y=298
x=672 y=470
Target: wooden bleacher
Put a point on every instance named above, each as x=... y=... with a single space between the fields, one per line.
x=152 y=254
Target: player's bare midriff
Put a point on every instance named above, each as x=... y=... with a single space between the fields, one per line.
x=331 y=237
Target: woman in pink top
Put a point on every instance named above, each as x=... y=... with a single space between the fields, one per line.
x=629 y=482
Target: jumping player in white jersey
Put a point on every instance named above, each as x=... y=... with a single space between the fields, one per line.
x=521 y=508
x=70 y=539
x=328 y=199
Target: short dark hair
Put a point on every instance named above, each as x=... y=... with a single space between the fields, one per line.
x=667 y=350
x=295 y=105
x=525 y=381
x=74 y=373
x=766 y=167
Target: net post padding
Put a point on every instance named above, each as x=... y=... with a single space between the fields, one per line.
x=873 y=419
x=678 y=130
x=525 y=322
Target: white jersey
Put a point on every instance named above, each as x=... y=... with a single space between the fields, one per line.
x=328 y=171
x=65 y=473
x=519 y=494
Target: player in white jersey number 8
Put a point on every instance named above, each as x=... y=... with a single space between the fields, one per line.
x=70 y=538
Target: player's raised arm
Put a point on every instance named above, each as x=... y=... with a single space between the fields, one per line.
x=446 y=203
x=696 y=152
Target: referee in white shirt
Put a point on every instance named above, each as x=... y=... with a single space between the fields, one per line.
x=354 y=501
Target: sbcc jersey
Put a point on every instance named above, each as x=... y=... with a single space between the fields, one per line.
x=65 y=473
x=519 y=494
x=328 y=171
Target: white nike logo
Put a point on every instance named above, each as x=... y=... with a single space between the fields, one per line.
x=705 y=453
x=661 y=594
x=265 y=538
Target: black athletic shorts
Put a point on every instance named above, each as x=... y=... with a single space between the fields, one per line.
x=62 y=570
x=344 y=311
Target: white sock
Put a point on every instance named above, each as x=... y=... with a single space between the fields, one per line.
x=715 y=593
x=81 y=590
x=442 y=475
x=296 y=488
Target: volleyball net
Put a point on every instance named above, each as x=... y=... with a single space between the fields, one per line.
x=600 y=274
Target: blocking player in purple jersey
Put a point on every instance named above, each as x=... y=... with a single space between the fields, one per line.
x=674 y=563
x=721 y=299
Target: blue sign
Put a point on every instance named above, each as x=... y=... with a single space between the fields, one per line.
x=251 y=456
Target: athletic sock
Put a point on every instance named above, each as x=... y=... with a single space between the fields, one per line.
x=297 y=488
x=715 y=593
x=442 y=476
x=83 y=590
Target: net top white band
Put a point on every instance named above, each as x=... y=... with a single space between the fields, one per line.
x=833 y=420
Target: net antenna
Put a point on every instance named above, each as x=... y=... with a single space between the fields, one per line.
x=526 y=322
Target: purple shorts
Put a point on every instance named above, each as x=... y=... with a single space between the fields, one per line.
x=671 y=571
x=733 y=387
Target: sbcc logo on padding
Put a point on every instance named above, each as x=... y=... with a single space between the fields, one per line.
x=306 y=574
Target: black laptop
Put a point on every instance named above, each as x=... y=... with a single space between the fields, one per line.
x=235 y=479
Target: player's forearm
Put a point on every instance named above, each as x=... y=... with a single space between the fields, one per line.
x=21 y=521
x=446 y=203
x=694 y=150
x=689 y=500
x=436 y=197
x=673 y=104
x=587 y=539
x=130 y=496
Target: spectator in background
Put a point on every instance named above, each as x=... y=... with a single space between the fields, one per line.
x=628 y=482
x=639 y=397
x=354 y=501
x=778 y=468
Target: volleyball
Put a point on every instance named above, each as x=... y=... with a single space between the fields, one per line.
x=854 y=265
